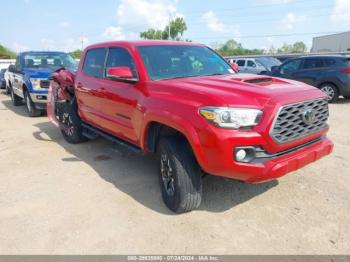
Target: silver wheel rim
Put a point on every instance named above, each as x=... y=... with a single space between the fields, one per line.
x=67 y=121
x=167 y=174
x=329 y=91
x=29 y=106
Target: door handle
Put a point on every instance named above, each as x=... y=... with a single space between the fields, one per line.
x=80 y=88
x=102 y=90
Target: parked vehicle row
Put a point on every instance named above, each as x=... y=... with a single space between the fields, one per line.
x=331 y=74
x=185 y=104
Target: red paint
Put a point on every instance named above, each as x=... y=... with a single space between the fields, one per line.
x=127 y=109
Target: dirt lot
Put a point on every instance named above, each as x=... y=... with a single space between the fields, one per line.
x=57 y=198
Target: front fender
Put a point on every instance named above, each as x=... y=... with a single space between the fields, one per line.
x=179 y=123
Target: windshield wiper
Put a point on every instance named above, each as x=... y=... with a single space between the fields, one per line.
x=176 y=77
x=216 y=74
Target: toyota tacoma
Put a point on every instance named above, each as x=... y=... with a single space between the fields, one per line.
x=185 y=104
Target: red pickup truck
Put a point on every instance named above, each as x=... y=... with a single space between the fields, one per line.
x=184 y=103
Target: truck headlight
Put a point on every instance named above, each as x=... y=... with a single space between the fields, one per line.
x=36 y=83
x=235 y=118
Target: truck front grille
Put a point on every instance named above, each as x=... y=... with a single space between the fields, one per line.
x=298 y=120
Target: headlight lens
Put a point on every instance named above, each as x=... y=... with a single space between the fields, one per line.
x=36 y=83
x=231 y=117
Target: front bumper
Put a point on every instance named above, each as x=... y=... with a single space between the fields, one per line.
x=291 y=162
x=39 y=100
x=221 y=160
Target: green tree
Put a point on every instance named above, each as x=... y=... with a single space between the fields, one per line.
x=297 y=47
x=76 y=53
x=152 y=34
x=6 y=53
x=232 y=47
x=176 y=28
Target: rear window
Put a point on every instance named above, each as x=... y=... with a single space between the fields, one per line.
x=94 y=62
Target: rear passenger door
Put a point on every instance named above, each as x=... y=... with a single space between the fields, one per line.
x=88 y=86
x=310 y=71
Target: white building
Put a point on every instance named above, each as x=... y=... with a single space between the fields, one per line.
x=331 y=43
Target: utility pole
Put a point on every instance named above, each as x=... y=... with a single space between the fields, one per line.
x=169 y=26
x=82 y=42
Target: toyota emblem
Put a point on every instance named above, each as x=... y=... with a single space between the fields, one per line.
x=309 y=116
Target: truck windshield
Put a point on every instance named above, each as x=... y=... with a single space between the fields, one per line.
x=49 y=60
x=179 y=61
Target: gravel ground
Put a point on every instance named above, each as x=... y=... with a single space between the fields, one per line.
x=57 y=198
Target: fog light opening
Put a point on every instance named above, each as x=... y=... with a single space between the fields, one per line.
x=241 y=155
x=244 y=154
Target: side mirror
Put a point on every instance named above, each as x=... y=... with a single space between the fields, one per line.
x=121 y=73
x=12 y=68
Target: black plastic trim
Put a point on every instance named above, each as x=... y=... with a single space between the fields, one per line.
x=126 y=145
x=261 y=156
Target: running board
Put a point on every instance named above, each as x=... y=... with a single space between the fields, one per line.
x=91 y=133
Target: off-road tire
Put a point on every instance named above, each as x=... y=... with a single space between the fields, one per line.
x=71 y=127
x=16 y=100
x=186 y=175
x=32 y=111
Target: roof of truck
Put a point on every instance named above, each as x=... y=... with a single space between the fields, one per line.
x=143 y=43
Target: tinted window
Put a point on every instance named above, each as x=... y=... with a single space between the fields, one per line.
x=329 y=62
x=241 y=62
x=94 y=62
x=290 y=66
x=313 y=63
x=120 y=57
x=251 y=63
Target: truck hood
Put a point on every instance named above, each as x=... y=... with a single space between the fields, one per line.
x=243 y=90
x=38 y=72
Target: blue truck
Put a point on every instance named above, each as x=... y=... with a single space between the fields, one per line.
x=28 y=78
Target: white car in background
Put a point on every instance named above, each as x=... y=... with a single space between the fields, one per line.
x=258 y=65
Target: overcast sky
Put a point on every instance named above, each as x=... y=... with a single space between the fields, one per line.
x=67 y=24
